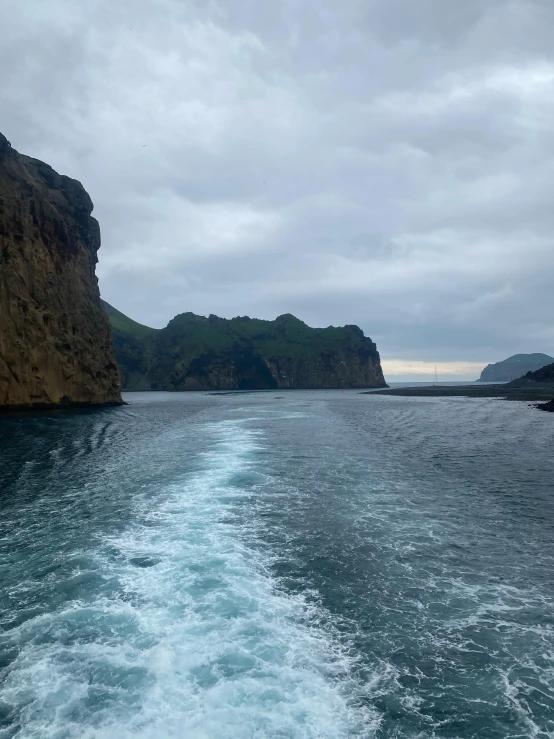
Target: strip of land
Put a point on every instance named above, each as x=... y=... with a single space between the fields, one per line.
x=532 y=393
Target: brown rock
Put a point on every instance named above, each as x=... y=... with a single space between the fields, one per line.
x=55 y=338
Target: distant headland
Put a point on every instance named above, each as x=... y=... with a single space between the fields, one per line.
x=532 y=387
x=514 y=367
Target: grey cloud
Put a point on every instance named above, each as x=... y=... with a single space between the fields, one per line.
x=383 y=163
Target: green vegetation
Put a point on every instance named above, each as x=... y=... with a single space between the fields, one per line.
x=126 y=325
x=188 y=335
x=133 y=345
x=194 y=352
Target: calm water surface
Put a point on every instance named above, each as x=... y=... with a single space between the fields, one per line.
x=296 y=564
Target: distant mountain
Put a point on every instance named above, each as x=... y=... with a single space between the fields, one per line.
x=197 y=353
x=514 y=367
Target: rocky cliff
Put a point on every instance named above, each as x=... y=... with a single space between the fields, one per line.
x=55 y=338
x=198 y=353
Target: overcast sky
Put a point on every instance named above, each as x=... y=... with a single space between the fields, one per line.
x=387 y=163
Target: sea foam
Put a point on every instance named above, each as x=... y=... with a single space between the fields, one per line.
x=189 y=634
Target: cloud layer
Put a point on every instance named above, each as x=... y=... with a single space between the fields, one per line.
x=386 y=163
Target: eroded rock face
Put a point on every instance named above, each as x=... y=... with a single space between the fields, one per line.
x=55 y=337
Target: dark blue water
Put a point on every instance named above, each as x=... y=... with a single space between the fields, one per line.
x=295 y=564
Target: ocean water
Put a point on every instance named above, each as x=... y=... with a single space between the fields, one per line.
x=297 y=564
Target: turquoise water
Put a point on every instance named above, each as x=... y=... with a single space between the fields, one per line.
x=298 y=564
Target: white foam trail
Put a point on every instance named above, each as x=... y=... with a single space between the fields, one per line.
x=199 y=642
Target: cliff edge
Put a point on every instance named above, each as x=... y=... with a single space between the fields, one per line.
x=55 y=337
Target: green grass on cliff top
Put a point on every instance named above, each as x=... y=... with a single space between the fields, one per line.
x=188 y=336
x=126 y=325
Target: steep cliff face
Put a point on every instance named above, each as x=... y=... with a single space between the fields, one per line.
x=198 y=353
x=55 y=338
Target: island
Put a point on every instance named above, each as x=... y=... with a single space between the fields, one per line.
x=514 y=367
